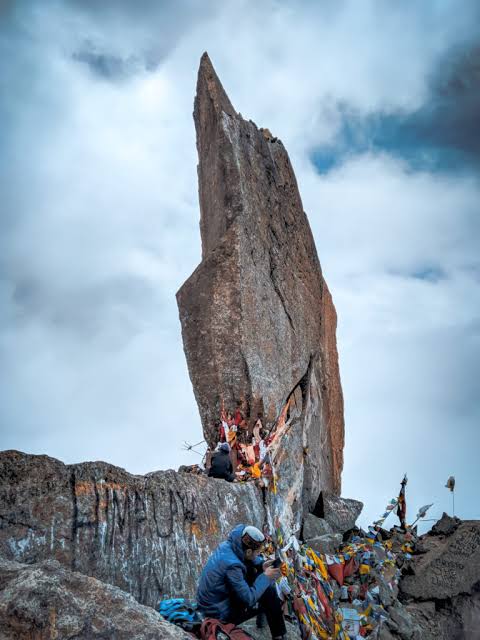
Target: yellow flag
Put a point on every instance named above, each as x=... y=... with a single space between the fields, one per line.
x=318 y=563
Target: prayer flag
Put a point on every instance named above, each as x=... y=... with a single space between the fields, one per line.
x=450 y=483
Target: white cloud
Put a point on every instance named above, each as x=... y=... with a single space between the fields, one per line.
x=408 y=345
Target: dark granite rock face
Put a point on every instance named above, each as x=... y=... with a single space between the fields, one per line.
x=449 y=568
x=258 y=322
x=441 y=590
x=149 y=535
x=451 y=620
x=45 y=601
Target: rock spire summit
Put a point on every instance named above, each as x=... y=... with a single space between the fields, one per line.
x=258 y=322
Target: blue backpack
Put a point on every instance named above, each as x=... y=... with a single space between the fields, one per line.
x=181 y=612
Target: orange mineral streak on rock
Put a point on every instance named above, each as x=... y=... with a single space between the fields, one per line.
x=333 y=395
x=87 y=487
x=52 y=621
x=211 y=529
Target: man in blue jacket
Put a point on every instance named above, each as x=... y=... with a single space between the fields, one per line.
x=236 y=584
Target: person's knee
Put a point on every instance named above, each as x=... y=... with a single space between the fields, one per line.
x=270 y=593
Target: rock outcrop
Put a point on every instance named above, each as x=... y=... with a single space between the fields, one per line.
x=258 y=321
x=441 y=590
x=45 y=601
x=340 y=514
x=333 y=516
x=449 y=565
x=314 y=527
x=139 y=533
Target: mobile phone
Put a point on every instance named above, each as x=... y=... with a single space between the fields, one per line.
x=277 y=563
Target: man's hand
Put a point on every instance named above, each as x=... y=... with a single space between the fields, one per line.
x=267 y=564
x=272 y=573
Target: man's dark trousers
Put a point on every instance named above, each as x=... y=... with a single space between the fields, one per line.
x=269 y=603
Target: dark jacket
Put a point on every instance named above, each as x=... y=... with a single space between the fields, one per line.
x=223 y=582
x=221 y=466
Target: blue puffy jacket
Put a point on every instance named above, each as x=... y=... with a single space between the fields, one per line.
x=224 y=576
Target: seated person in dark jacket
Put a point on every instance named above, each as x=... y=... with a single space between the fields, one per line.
x=221 y=466
x=236 y=584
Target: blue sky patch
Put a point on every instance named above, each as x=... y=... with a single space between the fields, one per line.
x=443 y=135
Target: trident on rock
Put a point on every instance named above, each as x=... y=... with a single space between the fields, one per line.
x=422 y=512
x=191 y=447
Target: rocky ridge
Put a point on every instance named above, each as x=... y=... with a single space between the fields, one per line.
x=441 y=588
x=139 y=533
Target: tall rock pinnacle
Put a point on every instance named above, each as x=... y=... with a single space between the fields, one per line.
x=258 y=322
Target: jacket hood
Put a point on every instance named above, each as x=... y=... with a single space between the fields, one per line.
x=235 y=541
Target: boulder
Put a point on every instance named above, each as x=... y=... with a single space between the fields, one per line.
x=449 y=568
x=328 y=543
x=384 y=633
x=314 y=527
x=445 y=526
x=149 y=535
x=402 y=623
x=340 y=513
x=45 y=601
x=258 y=321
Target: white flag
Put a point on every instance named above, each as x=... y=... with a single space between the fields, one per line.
x=423 y=511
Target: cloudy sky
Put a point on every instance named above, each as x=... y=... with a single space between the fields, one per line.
x=378 y=105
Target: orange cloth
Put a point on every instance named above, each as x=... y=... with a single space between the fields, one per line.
x=256 y=472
